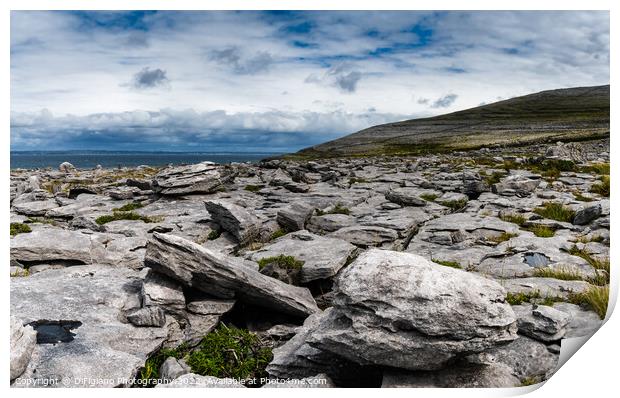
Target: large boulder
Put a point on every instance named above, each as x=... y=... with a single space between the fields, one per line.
x=520 y=184
x=541 y=322
x=23 y=341
x=234 y=219
x=66 y=167
x=322 y=256
x=587 y=214
x=405 y=197
x=225 y=277
x=401 y=310
x=205 y=177
x=295 y=216
x=572 y=151
x=52 y=244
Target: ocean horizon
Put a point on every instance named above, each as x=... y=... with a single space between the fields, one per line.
x=86 y=159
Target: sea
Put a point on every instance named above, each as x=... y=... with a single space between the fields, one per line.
x=110 y=159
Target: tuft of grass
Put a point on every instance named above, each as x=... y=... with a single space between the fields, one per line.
x=281 y=260
x=598 y=264
x=451 y=264
x=503 y=237
x=494 y=178
x=19 y=228
x=253 y=188
x=429 y=197
x=530 y=381
x=122 y=215
x=42 y=220
x=555 y=211
x=513 y=218
x=520 y=298
x=129 y=207
x=214 y=234
x=230 y=352
x=596 y=168
x=596 y=298
x=337 y=209
x=564 y=274
x=455 y=205
x=20 y=274
x=279 y=233
x=602 y=188
x=541 y=231
x=149 y=374
x=578 y=196
x=595 y=238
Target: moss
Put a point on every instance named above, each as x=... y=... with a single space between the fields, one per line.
x=281 y=260
x=19 y=228
x=337 y=209
x=541 y=231
x=122 y=215
x=603 y=188
x=253 y=188
x=214 y=234
x=455 y=205
x=513 y=218
x=279 y=233
x=429 y=197
x=555 y=211
x=230 y=352
x=451 y=264
x=503 y=237
x=130 y=207
x=596 y=298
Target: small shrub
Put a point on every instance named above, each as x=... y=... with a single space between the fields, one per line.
x=281 y=260
x=214 y=234
x=429 y=197
x=279 y=233
x=122 y=215
x=19 y=228
x=451 y=264
x=253 y=188
x=595 y=298
x=130 y=207
x=503 y=237
x=541 y=231
x=555 y=211
x=602 y=188
x=513 y=218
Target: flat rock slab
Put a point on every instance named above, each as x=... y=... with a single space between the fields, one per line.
x=456 y=376
x=205 y=177
x=49 y=244
x=366 y=236
x=234 y=219
x=323 y=257
x=224 y=277
x=93 y=300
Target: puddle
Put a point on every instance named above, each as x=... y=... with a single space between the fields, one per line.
x=536 y=260
x=52 y=332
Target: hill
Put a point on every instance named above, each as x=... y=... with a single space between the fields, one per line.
x=572 y=114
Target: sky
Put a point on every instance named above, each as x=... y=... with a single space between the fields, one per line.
x=279 y=81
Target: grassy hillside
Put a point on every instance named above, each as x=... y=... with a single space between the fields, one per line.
x=571 y=114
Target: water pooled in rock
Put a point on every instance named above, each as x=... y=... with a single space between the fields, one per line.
x=536 y=260
x=52 y=332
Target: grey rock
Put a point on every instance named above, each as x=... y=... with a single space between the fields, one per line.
x=210 y=307
x=148 y=316
x=366 y=236
x=586 y=215
x=323 y=257
x=455 y=376
x=23 y=341
x=526 y=357
x=295 y=216
x=51 y=244
x=244 y=226
x=224 y=277
x=519 y=184
x=582 y=322
x=318 y=381
x=541 y=322
x=192 y=380
x=66 y=167
x=405 y=197
x=173 y=368
x=205 y=177
x=329 y=223
x=401 y=310
x=570 y=151
x=37 y=208
x=162 y=292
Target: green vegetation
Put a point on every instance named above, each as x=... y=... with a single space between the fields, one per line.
x=42 y=220
x=253 y=188
x=357 y=180
x=513 y=218
x=555 y=211
x=595 y=238
x=451 y=264
x=429 y=197
x=122 y=215
x=20 y=274
x=281 y=260
x=602 y=188
x=529 y=381
x=19 y=228
x=494 y=178
x=214 y=234
x=564 y=274
x=596 y=263
x=130 y=207
x=337 y=209
x=595 y=298
x=534 y=296
x=279 y=233
x=541 y=231
x=578 y=196
x=455 y=205
x=596 y=168
x=503 y=237
x=150 y=372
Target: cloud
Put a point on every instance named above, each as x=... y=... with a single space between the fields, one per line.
x=231 y=57
x=340 y=76
x=444 y=101
x=150 y=78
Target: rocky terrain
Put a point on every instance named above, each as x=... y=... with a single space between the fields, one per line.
x=464 y=269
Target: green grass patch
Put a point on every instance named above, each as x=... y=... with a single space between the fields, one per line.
x=122 y=215
x=149 y=374
x=337 y=209
x=578 y=196
x=42 y=220
x=281 y=260
x=451 y=264
x=230 y=352
x=599 y=264
x=214 y=234
x=253 y=188
x=279 y=233
x=564 y=274
x=503 y=237
x=455 y=205
x=130 y=207
x=596 y=298
x=530 y=381
x=493 y=178
x=555 y=211
x=19 y=228
x=429 y=197
x=541 y=231
x=596 y=168
x=513 y=218
x=603 y=188
x=528 y=297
